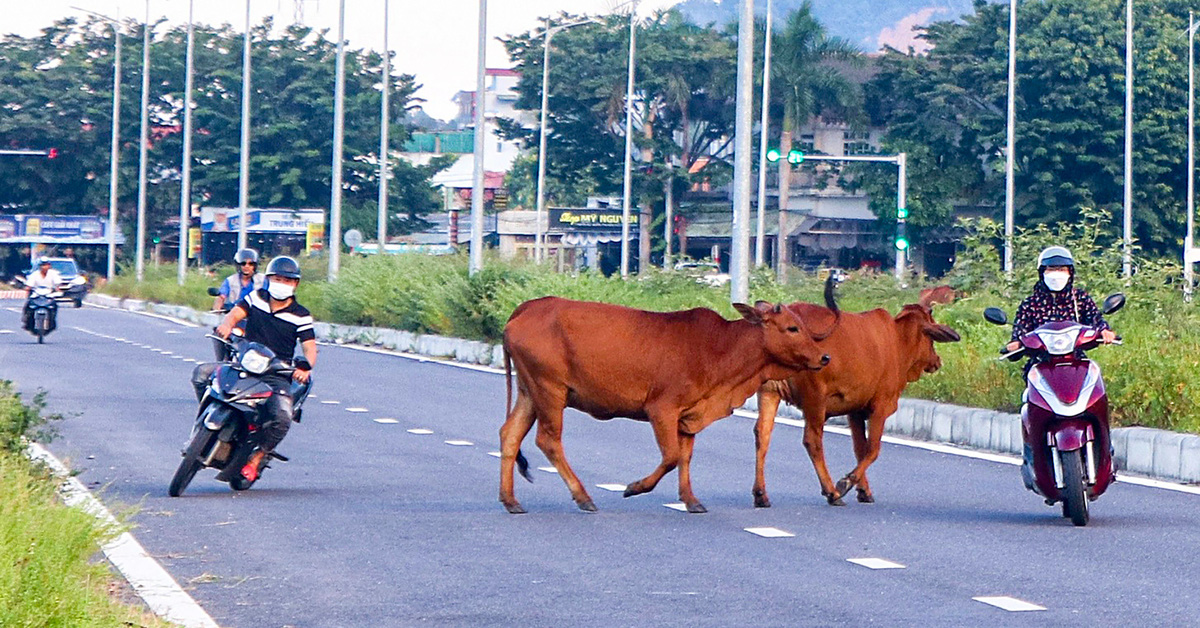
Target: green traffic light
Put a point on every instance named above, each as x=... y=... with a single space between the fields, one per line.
x=773 y=155
x=901 y=243
x=902 y=213
x=795 y=157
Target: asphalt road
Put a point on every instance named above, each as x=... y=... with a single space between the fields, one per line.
x=372 y=525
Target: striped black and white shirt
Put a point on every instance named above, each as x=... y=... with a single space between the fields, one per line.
x=279 y=330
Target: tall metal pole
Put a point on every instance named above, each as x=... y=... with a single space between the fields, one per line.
x=185 y=194
x=144 y=139
x=244 y=166
x=901 y=209
x=114 y=155
x=541 y=175
x=476 y=263
x=339 y=117
x=1127 y=266
x=760 y=241
x=1009 y=183
x=739 y=258
x=383 y=134
x=669 y=226
x=1189 y=242
x=627 y=186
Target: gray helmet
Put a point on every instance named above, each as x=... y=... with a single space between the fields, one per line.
x=43 y=260
x=1055 y=256
x=284 y=266
x=246 y=255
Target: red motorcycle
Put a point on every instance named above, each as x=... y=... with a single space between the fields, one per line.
x=1064 y=413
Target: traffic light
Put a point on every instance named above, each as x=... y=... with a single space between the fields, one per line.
x=901 y=213
x=773 y=155
x=795 y=157
x=156 y=239
x=52 y=153
x=901 y=238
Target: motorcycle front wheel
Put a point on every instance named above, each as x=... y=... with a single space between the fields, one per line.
x=1074 y=492
x=193 y=461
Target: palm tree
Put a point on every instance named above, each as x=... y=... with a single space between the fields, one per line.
x=804 y=65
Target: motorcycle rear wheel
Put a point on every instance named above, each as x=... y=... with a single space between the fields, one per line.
x=193 y=461
x=1075 y=501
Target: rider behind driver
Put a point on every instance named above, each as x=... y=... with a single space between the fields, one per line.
x=275 y=319
x=1055 y=298
x=44 y=277
x=247 y=279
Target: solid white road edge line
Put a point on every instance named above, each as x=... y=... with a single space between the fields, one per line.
x=160 y=591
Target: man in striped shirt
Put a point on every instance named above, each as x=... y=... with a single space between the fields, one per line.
x=275 y=319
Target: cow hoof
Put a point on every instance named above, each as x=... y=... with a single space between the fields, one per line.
x=843 y=486
x=762 y=501
x=865 y=497
x=515 y=509
x=633 y=489
x=834 y=500
x=587 y=506
x=697 y=508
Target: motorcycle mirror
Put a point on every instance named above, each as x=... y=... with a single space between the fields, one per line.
x=995 y=316
x=213 y=292
x=1113 y=303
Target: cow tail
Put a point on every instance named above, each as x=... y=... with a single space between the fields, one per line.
x=830 y=303
x=522 y=462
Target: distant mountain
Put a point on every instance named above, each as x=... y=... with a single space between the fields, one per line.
x=869 y=24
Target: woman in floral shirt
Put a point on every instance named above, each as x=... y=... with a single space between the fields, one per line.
x=1055 y=298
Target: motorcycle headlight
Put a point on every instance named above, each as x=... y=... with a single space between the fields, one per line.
x=255 y=362
x=1061 y=342
x=78 y=281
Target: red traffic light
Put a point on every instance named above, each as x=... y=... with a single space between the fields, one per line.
x=52 y=153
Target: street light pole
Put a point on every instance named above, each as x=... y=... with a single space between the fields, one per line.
x=1127 y=266
x=144 y=139
x=476 y=262
x=383 y=134
x=628 y=177
x=339 y=140
x=185 y=194
x=1189 y=242
x=1009 y=183
x=244 y=165
x=739 y=257
x=539 y=238
x=759 y=255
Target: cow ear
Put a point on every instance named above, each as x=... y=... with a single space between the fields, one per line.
x=941 y=333
x=762 y=306
x=749 y=313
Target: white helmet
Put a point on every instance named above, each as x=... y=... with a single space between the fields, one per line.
x=1055 y=256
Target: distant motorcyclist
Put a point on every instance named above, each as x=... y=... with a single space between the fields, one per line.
x=241 y=283
x=44 y=277
x=275 y=319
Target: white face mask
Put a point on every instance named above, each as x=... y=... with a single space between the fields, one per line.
x=1056 y=280
x=280 y=291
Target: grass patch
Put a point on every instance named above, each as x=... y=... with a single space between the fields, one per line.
x=47 y=577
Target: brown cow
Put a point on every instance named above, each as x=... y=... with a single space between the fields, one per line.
x=679 y=371
x=873 y=357
x=939 y=295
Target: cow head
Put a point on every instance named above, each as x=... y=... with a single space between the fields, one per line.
x=786 y=339
x=918 y=332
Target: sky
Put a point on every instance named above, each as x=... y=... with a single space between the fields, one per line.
x=433 y=39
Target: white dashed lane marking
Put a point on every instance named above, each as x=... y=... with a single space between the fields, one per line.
x=548 y=469
x=494 y=454
x=875 y=563
x=680 y=506
x=357 y=410
x=330 y=402
x=768 y=533
x=459 y=443
x=1009 y=603
x=616 y=488
x=386 y=421
x=419 y=430
x=6 y=331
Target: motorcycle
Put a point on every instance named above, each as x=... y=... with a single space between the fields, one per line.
x=42 y=312
x=1064 y=413
x=229 y=415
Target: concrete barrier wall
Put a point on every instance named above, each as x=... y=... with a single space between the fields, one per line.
x=1155 y=453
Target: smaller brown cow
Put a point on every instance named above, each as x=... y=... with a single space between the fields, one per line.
x=680 y=371
x=873 y=356
x=939 y=295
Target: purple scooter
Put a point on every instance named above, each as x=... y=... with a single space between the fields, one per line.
x=1064 y=413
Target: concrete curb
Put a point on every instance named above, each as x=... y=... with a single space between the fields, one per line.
x=1150 y=452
